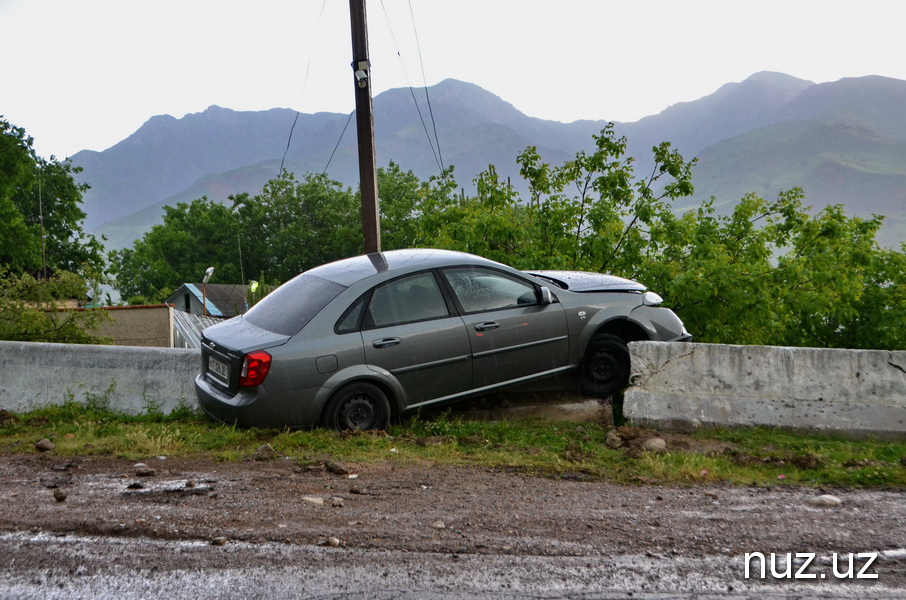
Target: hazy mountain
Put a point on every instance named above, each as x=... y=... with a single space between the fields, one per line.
x=733 y=109
x=843 y=142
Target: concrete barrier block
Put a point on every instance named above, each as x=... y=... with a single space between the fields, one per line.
x=127 y=379
x=687 y=386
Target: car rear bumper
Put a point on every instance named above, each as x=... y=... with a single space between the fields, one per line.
x=255 y=407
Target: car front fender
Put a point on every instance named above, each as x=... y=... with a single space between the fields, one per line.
x=600 y=319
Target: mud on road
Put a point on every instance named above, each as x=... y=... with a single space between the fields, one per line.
x=418 y=530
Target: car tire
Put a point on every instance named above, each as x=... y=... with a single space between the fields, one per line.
x=357 y=406
x=605 y=367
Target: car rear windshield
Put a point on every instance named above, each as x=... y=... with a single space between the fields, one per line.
x=290 y=307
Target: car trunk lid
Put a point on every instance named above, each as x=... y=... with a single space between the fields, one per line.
x=225 y=345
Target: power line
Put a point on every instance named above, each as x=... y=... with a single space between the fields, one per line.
x=421 y=62
x=342 y=133
x=304 y=87
x=438 y=158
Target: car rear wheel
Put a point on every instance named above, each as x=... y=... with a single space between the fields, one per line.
x=360 y=405
x=605 y=369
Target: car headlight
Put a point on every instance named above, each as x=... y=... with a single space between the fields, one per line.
x=651 y=299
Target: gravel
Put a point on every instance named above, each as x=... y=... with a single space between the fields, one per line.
x=401 y=530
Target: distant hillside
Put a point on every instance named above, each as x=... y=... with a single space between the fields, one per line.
x=843 y=142
x=167 y=155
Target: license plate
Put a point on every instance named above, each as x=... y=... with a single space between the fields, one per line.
x=219 y=369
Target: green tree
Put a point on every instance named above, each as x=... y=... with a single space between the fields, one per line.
x=40 y=211
x=842 y=290
x=46 y=259
x=192 y=237
x=289 y=227
x=769 y=272
x=292 y=226
x=30 y=309
x=591 y=213
x=400 y=194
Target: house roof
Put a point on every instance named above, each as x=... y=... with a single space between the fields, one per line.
x=221 y=300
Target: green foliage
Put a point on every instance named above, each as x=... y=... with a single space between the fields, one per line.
x=40 y=214
x=400 y=195
x=30 y=309
x=769 y=272
x=45 y=257
x=766 y=272
x=294 y=225
x=192 y=238
x=289 y=227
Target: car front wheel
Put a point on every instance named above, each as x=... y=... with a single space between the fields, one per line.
x=360 y=405
x=605 y=369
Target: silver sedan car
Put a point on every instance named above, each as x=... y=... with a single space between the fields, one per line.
x=358 y=342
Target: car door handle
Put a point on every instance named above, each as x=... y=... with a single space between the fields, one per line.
x=386 y=342
x=487 y=326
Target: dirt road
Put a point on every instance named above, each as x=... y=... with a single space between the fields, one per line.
x=189 y=528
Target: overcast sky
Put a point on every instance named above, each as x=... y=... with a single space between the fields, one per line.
x=85 y=74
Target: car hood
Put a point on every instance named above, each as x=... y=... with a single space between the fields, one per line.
x=240 y=335
x=581 y=281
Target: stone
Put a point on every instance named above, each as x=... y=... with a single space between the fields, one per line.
x=335 y=468
x=265 y=452
x=219 y=541
x=333 y=542
x=44 y=445
x=613 y=439
x=655 y=444
x=825 y=501
x=143 y=470
x=317 y=501
x=439 y=525
x=59 y=495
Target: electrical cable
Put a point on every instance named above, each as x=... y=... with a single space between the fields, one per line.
x=304 y=87
x=437 y=157
x=421 y=62
x=342 y=133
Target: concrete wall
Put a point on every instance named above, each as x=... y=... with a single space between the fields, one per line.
x=130 y=378
x=689 y=386
x=679 y=386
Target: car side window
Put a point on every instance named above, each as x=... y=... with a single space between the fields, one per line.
x=406 y=300
x=481 y=289
x=350 y=320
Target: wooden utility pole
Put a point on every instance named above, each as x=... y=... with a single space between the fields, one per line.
x=361 y=67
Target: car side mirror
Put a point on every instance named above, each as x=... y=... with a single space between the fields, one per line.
x=546 y=296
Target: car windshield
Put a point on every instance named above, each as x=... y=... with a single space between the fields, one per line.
x=290 y=307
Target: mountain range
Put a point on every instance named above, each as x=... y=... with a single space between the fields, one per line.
x=843 y=142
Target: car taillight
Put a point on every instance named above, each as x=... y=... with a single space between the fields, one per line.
x=254 y=369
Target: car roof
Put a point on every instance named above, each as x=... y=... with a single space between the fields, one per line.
x=394 y=262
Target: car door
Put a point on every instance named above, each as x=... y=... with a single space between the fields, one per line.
x=512 y=334
x=410 y=330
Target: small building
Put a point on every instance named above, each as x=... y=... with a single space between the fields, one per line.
x=155 y=326
x=213 y=300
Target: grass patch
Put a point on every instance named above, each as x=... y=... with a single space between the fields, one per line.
x=760 y=456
